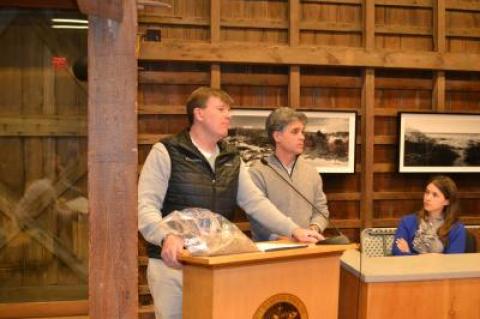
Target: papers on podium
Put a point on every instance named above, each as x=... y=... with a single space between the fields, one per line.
x=275 y=245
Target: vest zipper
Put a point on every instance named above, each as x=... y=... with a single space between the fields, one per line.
x=214 y=194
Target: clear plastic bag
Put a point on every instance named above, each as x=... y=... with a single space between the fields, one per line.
x=206 y=233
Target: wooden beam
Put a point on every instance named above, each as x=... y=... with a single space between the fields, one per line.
x=149 y=139
x=354 y=196
x=393 y=222
x=417 y=195
x=347 y=2
x=185 y=21
x=405 y=3
x=306 y=55
x=162 y=109
x=331 y=26
x=403 y=29
x=462 y=5
x=463 y=33
x=179 y=78
x=367 y=133
x=112 y=163
x=111 y=9
x=50 y=125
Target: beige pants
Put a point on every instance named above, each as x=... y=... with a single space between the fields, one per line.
x=166 y=286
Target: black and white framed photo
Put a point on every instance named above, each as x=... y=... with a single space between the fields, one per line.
x=433 y=142
x=329 y=138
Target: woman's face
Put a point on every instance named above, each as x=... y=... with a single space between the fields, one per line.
x=433 y=200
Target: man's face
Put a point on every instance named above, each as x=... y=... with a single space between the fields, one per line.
x=291 y=140
x=215 y=118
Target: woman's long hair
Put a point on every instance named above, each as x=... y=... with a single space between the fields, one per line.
x=450 y=212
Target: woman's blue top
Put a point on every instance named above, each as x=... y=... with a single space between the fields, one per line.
x=408 y=227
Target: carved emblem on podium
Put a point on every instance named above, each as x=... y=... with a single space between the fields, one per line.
x=282 y=306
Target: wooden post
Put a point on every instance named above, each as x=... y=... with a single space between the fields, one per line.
x=439 y=41
x=112 y=161
x=215 y=70
x=294 y=39
x=369 y=24
x=368 y=134
x=438 y=94
x=368 y=118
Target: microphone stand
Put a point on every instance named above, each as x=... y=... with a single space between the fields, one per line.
x=340 y=239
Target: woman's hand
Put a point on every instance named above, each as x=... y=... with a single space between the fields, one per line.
x=402 y=245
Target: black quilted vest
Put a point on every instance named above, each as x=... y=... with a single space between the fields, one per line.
x=193 y=183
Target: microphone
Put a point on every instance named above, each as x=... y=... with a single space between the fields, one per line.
x=340 y=239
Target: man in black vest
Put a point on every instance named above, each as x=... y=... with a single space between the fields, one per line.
x=196 y=169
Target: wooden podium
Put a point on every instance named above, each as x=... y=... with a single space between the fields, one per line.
x=294 y=283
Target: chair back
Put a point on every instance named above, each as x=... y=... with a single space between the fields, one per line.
x=377 y=242
x=471 y=242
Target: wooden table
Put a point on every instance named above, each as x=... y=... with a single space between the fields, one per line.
x=409 y=287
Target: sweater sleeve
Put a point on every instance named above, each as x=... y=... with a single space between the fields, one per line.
x=456 y=240
x=402 y=232
x=320 y=216
x=152 y=187
x=255 y=204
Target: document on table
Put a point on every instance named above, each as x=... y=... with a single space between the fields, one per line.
x=274 y=246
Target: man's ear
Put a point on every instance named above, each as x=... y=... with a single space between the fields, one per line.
x=198 y=114
x=276 y=136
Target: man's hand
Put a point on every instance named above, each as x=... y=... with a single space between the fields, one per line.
x=306 y=235
x=171 y=248
x=402 y=245
x=315 y=228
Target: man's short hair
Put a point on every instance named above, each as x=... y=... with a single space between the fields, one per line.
x=200 y=96
x=281 y=118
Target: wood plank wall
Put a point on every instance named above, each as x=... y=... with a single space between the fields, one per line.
x=43 y=253
x=375 y=57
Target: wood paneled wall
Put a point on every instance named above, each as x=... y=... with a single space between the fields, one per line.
x=43 y=147
x=375 y=57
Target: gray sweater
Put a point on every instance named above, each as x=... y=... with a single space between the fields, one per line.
x=305 y=179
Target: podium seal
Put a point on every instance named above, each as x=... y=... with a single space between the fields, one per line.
x=282 y=306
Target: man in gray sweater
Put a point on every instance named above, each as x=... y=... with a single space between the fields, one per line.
x=285 y=129
x=196 y=169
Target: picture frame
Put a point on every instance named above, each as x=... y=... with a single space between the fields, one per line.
x=329 y=138
x=439 y=143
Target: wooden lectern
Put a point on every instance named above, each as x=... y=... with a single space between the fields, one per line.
x=292 y=283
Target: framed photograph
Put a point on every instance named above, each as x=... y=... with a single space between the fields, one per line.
x=433 y=142
x=329 y=138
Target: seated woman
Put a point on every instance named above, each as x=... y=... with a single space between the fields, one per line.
x=435 y=227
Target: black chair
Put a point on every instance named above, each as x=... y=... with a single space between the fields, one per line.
x=471 y=243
